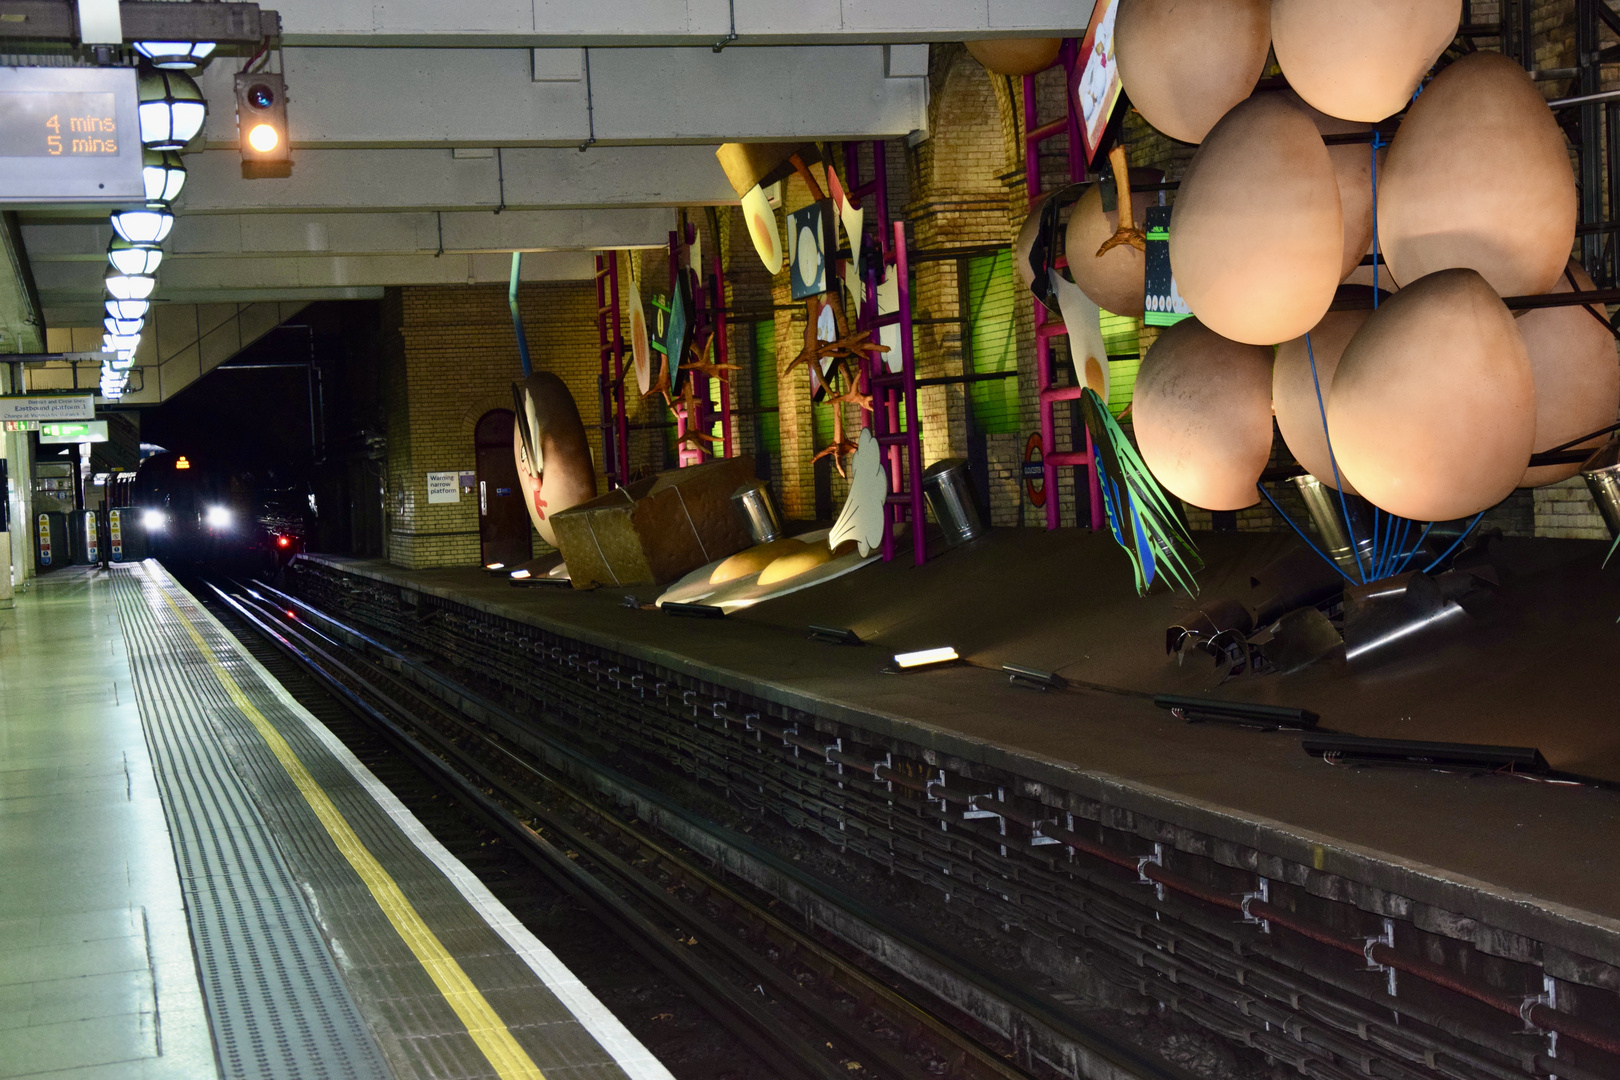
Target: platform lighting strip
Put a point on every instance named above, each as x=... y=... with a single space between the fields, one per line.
x=924 y=657
x=484 y=1024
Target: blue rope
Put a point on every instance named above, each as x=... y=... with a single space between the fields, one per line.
x=1344 y=507
x=1410 y=555
x=1446 y=554
x=517 y=321
x=1301 y=533
x=1377 y=143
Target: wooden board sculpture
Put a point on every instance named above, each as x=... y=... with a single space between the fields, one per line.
x=1185 y=64
x=1300 y=413
x=1256 y=236
x=1203 y=415
x=553 y=457
x=1433 y=406
x=1478 y=176
x=1360 y=60
x=1572 y=358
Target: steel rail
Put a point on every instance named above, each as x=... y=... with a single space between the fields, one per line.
x=972 y=1060
x=1121 y=1057
x=642 y=724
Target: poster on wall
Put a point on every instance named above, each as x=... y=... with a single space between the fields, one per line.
x=443 y=487
x=1098 y=87
x=1164 y=304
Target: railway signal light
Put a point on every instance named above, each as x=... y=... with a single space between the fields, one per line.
x=261 y=125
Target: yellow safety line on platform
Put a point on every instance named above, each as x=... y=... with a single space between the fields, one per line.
x=485 y=1026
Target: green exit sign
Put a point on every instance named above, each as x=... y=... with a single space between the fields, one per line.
x=72 y=431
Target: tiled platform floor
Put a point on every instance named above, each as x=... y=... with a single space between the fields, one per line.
x=97 y=977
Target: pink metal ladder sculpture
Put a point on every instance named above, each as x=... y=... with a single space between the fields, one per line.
x=1046 y=328
x=610 y=383
x=893 y=419
x=708 y=324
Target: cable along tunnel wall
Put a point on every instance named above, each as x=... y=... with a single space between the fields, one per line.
x=1149 y=905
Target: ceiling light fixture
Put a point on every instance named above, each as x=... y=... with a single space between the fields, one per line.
x=127 y=309
x=123 y=327
x=122 y=286
x=164 y=174
x=925 y=658
x=176 y=55
x=172 y=109
x=128 y=258
x=143 y=226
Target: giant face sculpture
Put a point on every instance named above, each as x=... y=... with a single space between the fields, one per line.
x=553 y=458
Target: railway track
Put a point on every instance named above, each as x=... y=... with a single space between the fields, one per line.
x=796 y=1001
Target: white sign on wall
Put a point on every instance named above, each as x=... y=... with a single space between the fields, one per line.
x=443 y=487
x=47 y=407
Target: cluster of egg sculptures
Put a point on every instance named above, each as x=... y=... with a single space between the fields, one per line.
x=1435 y=401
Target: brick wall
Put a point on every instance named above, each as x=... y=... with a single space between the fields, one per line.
x=450 y=355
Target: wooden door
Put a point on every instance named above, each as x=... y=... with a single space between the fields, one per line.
x=503 y=521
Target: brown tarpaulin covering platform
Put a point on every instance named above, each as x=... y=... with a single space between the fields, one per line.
x=1535 y=667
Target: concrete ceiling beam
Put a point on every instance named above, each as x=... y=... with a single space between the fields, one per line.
x=519 y=97
x=669 y=22
x=525 y=178
x=344 y=234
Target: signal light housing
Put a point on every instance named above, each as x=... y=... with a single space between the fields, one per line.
x=261 y=125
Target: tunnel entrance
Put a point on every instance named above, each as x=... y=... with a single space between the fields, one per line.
x=503 y=521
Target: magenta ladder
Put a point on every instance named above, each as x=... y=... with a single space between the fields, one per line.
x=1045 y=328
x=610 y=382
x=708 y=319
x=892 y=392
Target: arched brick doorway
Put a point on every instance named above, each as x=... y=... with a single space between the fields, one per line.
x=503 y=522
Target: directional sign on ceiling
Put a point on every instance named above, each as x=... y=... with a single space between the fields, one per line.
x=69 y=135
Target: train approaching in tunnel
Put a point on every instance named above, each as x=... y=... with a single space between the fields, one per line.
x=201 y=513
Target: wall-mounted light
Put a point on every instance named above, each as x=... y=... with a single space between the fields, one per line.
x=128 y=258
x=144 y=226
x=123 y=327
x=172 y=109
x=127 y=309
x=128 y=286
x=176 y=55
x=164 y=174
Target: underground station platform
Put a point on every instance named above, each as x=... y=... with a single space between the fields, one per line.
x=224 y=889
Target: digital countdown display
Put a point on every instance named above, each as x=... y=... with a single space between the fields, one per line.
x=57 y=125
x=69 y=135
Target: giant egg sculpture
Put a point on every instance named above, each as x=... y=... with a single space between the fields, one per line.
x=1478 y=176
x=1360 y=59
x=1115 y=282
x=1294 y=390
x=1572 y=358
x=1256 y=237
x=1184 y=64
x=1353 y=171
x=1024 y=242
x=1015 y=56
x=1433 y=406
x=1202 y=415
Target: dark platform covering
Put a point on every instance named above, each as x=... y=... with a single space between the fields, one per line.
x=1532 y=667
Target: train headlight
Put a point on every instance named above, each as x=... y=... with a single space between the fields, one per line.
x=218 y=517
x=154 y=520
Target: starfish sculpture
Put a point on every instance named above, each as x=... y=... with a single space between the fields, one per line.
x=704 y=364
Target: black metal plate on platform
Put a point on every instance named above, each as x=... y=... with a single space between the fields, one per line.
x=1434 y=754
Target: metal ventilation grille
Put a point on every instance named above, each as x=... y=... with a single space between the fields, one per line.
x=276 y=1003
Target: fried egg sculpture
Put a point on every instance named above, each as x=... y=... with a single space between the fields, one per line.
x=553 y=459
x=766 y=571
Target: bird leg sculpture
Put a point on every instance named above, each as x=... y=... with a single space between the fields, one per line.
x=1127 y=233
